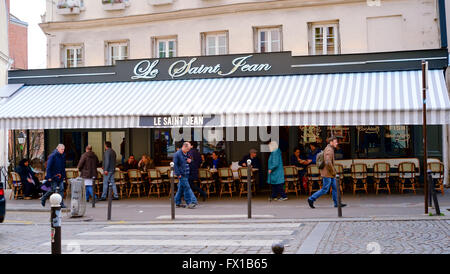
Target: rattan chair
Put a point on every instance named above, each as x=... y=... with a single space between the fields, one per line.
x=167 y=181
x=206 y=180
x=291 y=180
x=437 y=174
x=119 y=179
x=407 y=172
x=226 y=178
x=340 y=171
x=99 y=182
x=381 y=171
x=15 y=184
x=314 y=178
x=243 y=180
x=136 y=182
x=359 y=177
x=156 y=182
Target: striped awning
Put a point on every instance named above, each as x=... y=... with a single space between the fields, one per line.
x=371 y=98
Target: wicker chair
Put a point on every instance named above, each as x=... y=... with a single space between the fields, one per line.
x=381 y=171
x=226 y=178
x=359 y=174
x=340 y=171
x=119 y=179
x=136 y=182
x=206 y=180
x=407 y=171
x=16 y=185
x=437 y=174
x=291 y=180
x=156 y=182
x=314 y=178
x=243 y=175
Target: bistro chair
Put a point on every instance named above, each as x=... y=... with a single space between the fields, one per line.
x=206 y=180
x=359 y=177
x=15 y=184
x=437 y=174
x=381 y=171
x=226 y=178
x=70 y=174
x=291 y=179
x=243 y=180
x=314 y=178
x=136 y=182
x=119 y=179
x=340 y=171
x=156 y=182
x=99 y=182
x=167 y=182
x=407 y=171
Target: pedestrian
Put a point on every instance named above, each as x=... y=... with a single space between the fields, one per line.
x=276 y=172
x=181 y=170
x=109 y=167
x=328 y=173
x=194 y=165
x=56 y=174
x=30 y=183
x=88 y=169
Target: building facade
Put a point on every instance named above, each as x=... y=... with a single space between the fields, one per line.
x=18 y=42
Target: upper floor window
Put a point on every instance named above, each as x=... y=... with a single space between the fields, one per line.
x=324 y=39
x=215 y=43
x=268 y=39
x=73 y=56
x=165 y=47
x=117 y=51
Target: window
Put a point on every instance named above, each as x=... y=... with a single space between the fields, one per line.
x=117 y=51
x=369 y=141
x=215 y=43
x=397 y=140
x=324 y=39
x=268 y=39
x=165 y=48
x=73 y=56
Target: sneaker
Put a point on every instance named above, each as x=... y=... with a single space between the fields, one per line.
x=342 y=205
x=181 y=205
x=311 y=203
x=192 y=206
x=43 y=202
x=275 y=199
x=282 y=199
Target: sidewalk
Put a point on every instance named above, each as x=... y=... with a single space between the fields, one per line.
x=158 y=209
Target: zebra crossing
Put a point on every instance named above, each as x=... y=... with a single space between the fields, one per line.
x=180 y=238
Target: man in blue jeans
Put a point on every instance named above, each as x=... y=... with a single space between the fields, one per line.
x=181 y=170
x=56 y=173
x=328 y=173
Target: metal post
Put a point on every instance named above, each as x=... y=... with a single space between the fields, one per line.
x=172 y=190
x=249 y=188
x=434 y=195
x=55 y=221
x=109 y=198
x=424 y=113
x=338 y=190
x=93 y=192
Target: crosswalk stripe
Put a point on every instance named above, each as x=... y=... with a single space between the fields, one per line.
x=185 y=233
x=140 y=242
x=179 y=216
x=205 y=226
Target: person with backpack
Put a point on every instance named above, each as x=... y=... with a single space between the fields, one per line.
x=325 y=162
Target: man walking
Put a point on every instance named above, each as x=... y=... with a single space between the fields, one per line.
x=88 y=169
x=328 y=174
x=194 y=165
x=56 y=173
x=109 y=167
x=181 y=170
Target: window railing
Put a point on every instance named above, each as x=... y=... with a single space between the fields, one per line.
x=113 y=1
x=64 y=4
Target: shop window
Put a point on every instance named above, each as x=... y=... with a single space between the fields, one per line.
x=397 y=140
x=116 y=138
x=18 y=147
x=343 y=150
x=368 y=141
x=310 y=134
x=164 y=145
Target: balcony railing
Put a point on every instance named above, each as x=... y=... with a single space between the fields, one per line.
x=160 y=2
x=69 y=6
x=115 y=4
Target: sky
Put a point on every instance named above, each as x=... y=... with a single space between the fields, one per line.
x=30 y=11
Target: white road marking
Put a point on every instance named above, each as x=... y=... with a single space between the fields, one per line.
x=140 y=242
x=185 y=233
x=205 y=226
x=312 y=242
x=165 y=217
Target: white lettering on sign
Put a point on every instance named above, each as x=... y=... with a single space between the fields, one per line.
x=145 y=70
x=179 y=121
x=240 y=63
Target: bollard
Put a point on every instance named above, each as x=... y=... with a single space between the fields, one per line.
x=172 y=194
x=277 y=248
x=433 y=193
x=338 y=190
x=249 y=188
x=55 y=221
x=109 y=199
x=430 y=188
x=93 y=191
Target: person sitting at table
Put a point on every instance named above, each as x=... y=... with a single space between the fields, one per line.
x=131 y=163
x=30 y=183
x=218 y=162
x=205 y=161
x=314 y=150
x=146 y=163
x=255 y=164
x=299 y=160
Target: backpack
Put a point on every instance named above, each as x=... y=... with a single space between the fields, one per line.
x=320 y=161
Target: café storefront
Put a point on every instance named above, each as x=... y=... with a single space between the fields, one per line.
x=232 y=103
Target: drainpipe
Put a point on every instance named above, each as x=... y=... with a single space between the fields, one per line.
x=442 y=23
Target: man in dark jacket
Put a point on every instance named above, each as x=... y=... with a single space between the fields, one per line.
x=253 y=156
x=56 y=173
x=88 y=169
x=194 y=165
x=109 y=167
x=181 y=170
